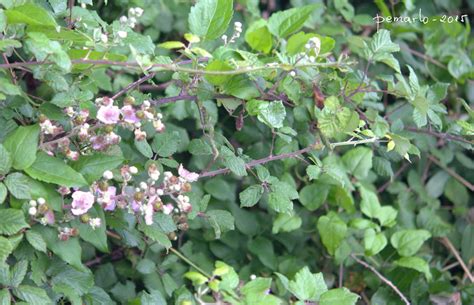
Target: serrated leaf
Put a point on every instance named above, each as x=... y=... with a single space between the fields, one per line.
x=286 y=223
x=165 y=144
x=284 y=23
x=221 y=221
x=5 y=249
x=22 y=145
x=332 y=230
x=18 y=272
x=36 y=240
x=338 y=296
x=63 y=174
x=3 y=192
x=5 y=160
x=69 y=251
x=12 y=221
x=156 y=235
x=32 y=295
x=251 y=195
x=416 y=263
x=307 y=286
x=209 y=19
x=92 y=167
x=30 y=14
x=17 y=185
x=358 y=161
x=408 y=242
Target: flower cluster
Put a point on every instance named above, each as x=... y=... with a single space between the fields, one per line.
x=39 y=210
x=141 y=198
x=129 y=22
x=235 y=35
x=99 y=135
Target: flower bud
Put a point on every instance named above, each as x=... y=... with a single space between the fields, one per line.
x=32 y=211
x=107 y=175
x=133 y=170
x=129 y=100
x=32 y=203
x=85 y=218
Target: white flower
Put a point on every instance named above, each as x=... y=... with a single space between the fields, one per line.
x=292 y=73
x=33 y=203
x=95 y=223
x=123 y=19
x=32 y=211
x=41 y=201
x=138 y=11
x=107 y=175
x=133 y=170
x=143 y=185
x=122 y=34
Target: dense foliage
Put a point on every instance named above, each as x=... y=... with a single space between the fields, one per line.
x=236 y=152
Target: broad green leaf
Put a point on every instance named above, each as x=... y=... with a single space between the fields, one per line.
x=286 y=223
x=284 y=23
x=297 y=42
x=467 y=243
x=382 y=44
x=209 y=19
x=32 y=295
x=374 y=242
x=5 y=160
x=232 y=162
x=358 y=161
x=5 y=249
x=416 y=263
x=314 y=195
x=5 y=297
x=199 y=147
x=3 y=192
x=218 y=65
x=307 y=286
x=259 y=37
x=408 y=241
x=279 y=202
x=17 y=185
x=332 y=230
x=251 y=195
x=313 y=172
x=36 y=240
x=156 y=235
x=338 y=296
x=18 y=272
x=63 y=174
x=221 y=221
x=43 y=48
x=93 y=166
x=165 y=144
x=78 y=280
x=144 y=148
x=370 y=204
x=12 y=221
x=22 y=145
x=272 y=114
x=30 y=14
x=97 y=236
x=69 y=251
x=264 y=250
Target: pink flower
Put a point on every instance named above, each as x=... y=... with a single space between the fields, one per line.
x=168 y=208
x=81 y=202
x=149 y=213
x=108 y=114
x=187 y=175
x=108 y=198
x=128 y=114
x=49 y=217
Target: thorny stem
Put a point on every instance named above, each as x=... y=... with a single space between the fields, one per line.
x=382 y=278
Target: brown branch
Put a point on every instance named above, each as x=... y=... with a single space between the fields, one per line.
x=425 y=57
x=133 y=85
x=452 y=173
x=447 y=243
x=382 y=278
x=389 y=182
x=440 y=135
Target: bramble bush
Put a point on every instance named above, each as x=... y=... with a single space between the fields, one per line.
x=236 y=152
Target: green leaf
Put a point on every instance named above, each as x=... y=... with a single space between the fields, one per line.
x=382 y=44
x=93 y=166
x=5 y=160
x=18 y=272
x=286 y=223
x=97 y=236
x=467 y=243
x=408 y=242
x=69 y=251
x=313 y=172
x=374 y=242
x=77 y=280
x=144 y=148
x=263 y=249
x=370 y=204
x=251 y=195
x=416 y=263
x=332 y=230
x=32 y=295
x=12 y=221
x=17 y=185
x=62 y=175
x=199 y=147
x=165 y=144
x=3 y=192
x=279 y=202
x=43 y=48
x=209 y=19
x=22 y=145
x=339 y=296
x=307 y=286
x=284 y=23
x=358 y=161
x=156 y=235
x=259 y=37
x=314 y=195
x=5 y=249
x=221 y=221
x=272 y=114
x=232 y=162
x=218 y=79
x=36 y=240
x=5 y=298
x=30 y=14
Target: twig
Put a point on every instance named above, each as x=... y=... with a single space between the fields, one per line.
x=447 y=243
x=133 y=85
x=382 y=278
x=425 y=57
x=397 y=173
x=440 y=135
x=452 y=173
